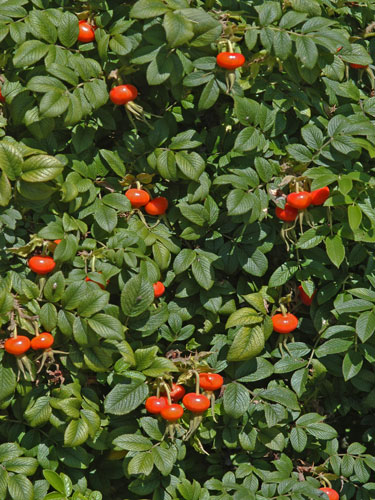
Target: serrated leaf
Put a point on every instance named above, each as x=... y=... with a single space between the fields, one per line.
x=136 y=296
x=248 y=343
x=236 y=400
x=126 y=396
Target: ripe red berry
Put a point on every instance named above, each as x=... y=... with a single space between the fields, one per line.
x=299 y=200
x=137 y=197
x=159 y=289
x=17 y=345
x=288 y=213
x=57 y=241
x=284 y=323
x=319 y=196
x=230 y=60
x=157 y=206
x=331 y=494
x=86 y=32
x=123 y=94
x=41 y=264
x=172 y=413
x=305 y=299
x=358 y=66
x=210 y=381
x=42 y=341
x=196 y=403
x=154 y=404
x=177 y=392
x=2 y=98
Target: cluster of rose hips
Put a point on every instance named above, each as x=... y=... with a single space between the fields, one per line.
x=140 y=198
x=167 y=405
x=20 y=344
x=44 y=264
x=300 y=201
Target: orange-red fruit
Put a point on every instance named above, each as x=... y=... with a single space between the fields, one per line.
x=42 y=341
x=319 y=196
x=41 y=264
x=196 y=403
x=171 y=413
x=299 y=200
x=18 y=345
x=331 y=494
x=230 y=60
x=358 y=66
x=284 y=323
x=305 y=299
x=2 y=98
x=123 y=94
x=57 y=241
x=137 y=197
x=157 y=206
x=86 y=32
x=287 y=214
x=176 y=393
x=210 y=381
x=154 y=404
x=159 y=289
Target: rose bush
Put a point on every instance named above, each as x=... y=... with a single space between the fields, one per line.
x=126 y=296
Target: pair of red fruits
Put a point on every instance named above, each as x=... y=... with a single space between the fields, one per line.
x=300 y=201
x=193 y=401
x=140 y=198
x=21 y=344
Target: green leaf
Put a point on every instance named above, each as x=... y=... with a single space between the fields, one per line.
x=144 y=9
x=8 y=383
x=66 y=250
x=48 y=316
x=68 y=29
x=282 y=44
x=22 y=465
x=351 y=364
x=41 y=27
x=247 y=140
x=29 y=53
x=20 y=488
x=54 y=480
x=281 y=395
x=190 y=164
x=133 y=442
x=354 y=216
x=333 y=346
x=76 y=433
x=120 y=44
x=11 y=161
x=239 y=202
x=321 y=431
x=203 y=272
x=136 y=296
x=38 y=412
x=178 y=29
x=335 y=249
x=209 y=95
x=236 y=400
x=298 y=439
x=8 y=451
x=243 y=316
x=41 y=168
x=248 y=343
x=126 y=396
x=142 y=463
x=365 y=325
x=164 y=459
x=107 y=326
x=307 y=51
x=106 y=217
x=53 y=104
x=283 y=274
x=114 y=161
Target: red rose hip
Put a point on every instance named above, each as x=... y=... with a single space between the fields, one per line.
x=42 y=341
x=17 y=345
x=287 y=214
x=171 y=413
x=210 y=381
x=331 y=494
x=299 y=200
x=41 y=264
x=154 y=404
x=230 y=60
x=86 y=32
x=319 y=196
x=157 y=206
x=137 y=197
x=159 y=289
x=122 y=94
x=196 y=403
x=284 y=323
